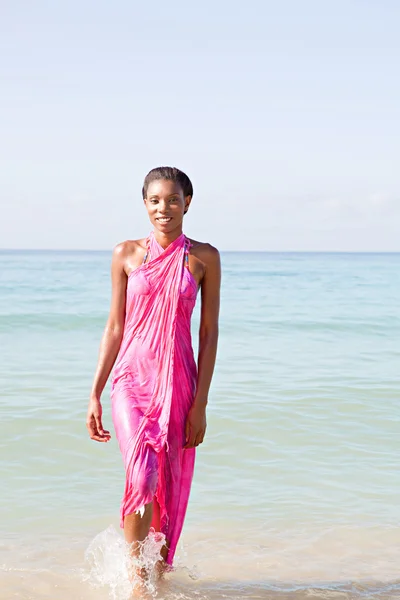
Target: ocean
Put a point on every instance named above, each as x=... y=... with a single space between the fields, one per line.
x=296 y=491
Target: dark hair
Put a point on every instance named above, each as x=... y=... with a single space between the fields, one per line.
x=171 y=174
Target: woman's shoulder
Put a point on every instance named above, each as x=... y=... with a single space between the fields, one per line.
x=129 y=247
x=129 y=254
x=204 y=251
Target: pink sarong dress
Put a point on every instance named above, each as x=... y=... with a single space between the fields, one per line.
x=153 y=386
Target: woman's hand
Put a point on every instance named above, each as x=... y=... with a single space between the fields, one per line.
x=94 y=424
x=196 y=424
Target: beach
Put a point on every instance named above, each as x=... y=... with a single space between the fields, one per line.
x=296 y=488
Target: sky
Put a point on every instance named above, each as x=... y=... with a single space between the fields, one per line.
x=285 y=115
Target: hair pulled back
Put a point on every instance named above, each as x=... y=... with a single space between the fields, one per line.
x=171 y=174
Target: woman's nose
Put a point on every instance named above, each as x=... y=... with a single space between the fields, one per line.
x=162 y=206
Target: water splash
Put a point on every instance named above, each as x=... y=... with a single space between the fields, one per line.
x=110 y=564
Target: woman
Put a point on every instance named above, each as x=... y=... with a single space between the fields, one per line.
x=158 y=394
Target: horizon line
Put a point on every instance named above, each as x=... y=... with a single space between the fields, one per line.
x=222 y=251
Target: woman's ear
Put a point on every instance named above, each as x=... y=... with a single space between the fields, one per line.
x=188 y=200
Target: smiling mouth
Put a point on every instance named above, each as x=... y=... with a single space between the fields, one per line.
x=164 y=219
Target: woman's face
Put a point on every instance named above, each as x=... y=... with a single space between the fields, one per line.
x=166 y=205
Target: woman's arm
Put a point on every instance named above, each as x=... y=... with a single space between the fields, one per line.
x=208 y=337
x=109 y=346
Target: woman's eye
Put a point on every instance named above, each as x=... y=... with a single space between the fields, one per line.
x=173 y=199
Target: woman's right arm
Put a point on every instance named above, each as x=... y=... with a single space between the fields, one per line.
x=109 y=346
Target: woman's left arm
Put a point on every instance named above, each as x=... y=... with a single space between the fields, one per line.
x=208 y=337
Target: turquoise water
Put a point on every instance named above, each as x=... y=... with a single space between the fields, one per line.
x=297 y=487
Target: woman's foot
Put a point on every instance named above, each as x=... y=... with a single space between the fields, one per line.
x=138 y=575
x=138 y=578
x=161 y=567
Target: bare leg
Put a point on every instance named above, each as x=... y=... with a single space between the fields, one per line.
x=136 y=529
x=136 y=526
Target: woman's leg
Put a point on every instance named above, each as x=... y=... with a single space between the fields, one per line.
x=136 y=529
x=136 y=526
x=141 y=466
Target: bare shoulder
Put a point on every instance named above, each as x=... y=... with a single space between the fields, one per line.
x=129 y=247
x=129 y=254
x=205 y=252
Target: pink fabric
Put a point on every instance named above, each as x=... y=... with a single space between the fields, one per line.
x=153 y=386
